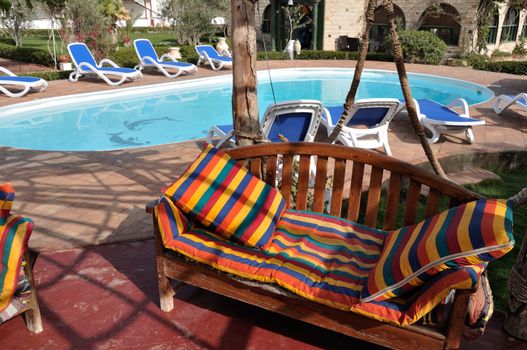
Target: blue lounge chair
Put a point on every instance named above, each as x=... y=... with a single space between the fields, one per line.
x=148 y=58
x=25 y=83
x=367 y=124
x=85 y=64
x=208 y=54
x=440 y=119
x=295 y=120
x=503 y=102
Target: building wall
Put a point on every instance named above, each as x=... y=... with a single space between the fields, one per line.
x=506 y=46
x=342 y=17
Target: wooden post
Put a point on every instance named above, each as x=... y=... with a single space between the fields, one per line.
x=244 y=99
x=516 y=321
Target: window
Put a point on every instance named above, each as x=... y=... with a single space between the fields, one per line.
x=509 y=30
x=524 y=31
x=379 y=29
x=493 y=30
x=442 y=20
x=266 y=20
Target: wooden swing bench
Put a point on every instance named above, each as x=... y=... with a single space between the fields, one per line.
x=403 y=188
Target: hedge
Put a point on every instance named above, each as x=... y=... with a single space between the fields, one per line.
x=419 y=46
x=51 y=75
x=511 y=67
x=26 y=54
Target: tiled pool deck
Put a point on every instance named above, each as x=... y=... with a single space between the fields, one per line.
x=89 y=198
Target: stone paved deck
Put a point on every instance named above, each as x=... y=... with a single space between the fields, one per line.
x=85 y=198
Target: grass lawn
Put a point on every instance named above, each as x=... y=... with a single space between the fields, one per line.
x=41 y=41
x=498 y=272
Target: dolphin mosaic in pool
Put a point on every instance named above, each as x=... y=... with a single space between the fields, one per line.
x=184 y=110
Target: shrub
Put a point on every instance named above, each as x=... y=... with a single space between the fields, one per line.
x=26 y=54
x=498 y=53
x=511 y=67
x=520 y=49
x=51 y=75
x=419 y=46
x=474 y=58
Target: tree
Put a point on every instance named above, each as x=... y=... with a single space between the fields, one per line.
x=16 y=18
x=191 y=18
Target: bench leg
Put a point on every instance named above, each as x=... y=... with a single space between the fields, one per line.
x=457 y=318
x=32 y=316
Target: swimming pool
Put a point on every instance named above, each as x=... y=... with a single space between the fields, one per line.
x=185 y=110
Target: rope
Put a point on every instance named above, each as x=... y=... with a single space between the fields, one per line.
x=253 y=137
x=265 y=51
x=519 y=198
x=518 y=286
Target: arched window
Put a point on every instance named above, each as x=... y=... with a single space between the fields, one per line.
x=509 y=30
x=379 y=29
x=266 y=20
x=443 y=20
x=493 y=29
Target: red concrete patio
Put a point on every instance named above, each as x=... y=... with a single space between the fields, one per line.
x=104 y=296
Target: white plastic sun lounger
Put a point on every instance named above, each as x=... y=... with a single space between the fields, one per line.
x=208 y=54
x=440 y=119
x=11 y=80
x=367 y=125
x=503 y=102
x=148 y=59
x=85 y=64
x=295 y=120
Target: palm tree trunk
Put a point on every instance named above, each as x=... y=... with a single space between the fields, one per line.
x=244 y=99
x=352 y=93
x=407 y=93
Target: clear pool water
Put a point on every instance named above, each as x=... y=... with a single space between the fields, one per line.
x=179 y=111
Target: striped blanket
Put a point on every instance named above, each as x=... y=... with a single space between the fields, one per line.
x=320 y=257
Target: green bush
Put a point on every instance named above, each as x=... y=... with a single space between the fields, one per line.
x=474 y=58
x=498 y=53
x=511 y=67
x=419 y=46
x=26 y=54
x=51 y=75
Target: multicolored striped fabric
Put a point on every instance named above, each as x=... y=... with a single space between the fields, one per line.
x=225 y=197
x=14 y=235
x=320 y=257
x=171 y=220
x=406 y=311
x=469 y=234
x=7 y=195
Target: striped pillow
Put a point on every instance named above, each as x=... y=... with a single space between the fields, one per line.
x=226 y=198
x=469 y=234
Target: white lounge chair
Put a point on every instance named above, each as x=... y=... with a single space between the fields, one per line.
x=503 y=102
x=208 y=54
x=295 y=120
x=367 y=124
x=85 y=64
x=148 y=58
x=440 y=119
x=11 y=80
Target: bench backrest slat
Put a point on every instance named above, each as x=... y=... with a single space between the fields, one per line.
x=392 y=201
x=320 y=184
x=365 y=186
x=374 y=196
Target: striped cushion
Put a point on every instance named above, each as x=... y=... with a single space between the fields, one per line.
x=469 y=234
x=7 y=195
x=405 y=311
x=225 y=197
x=14 y=235
x=171 y=220
x=322 y=258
